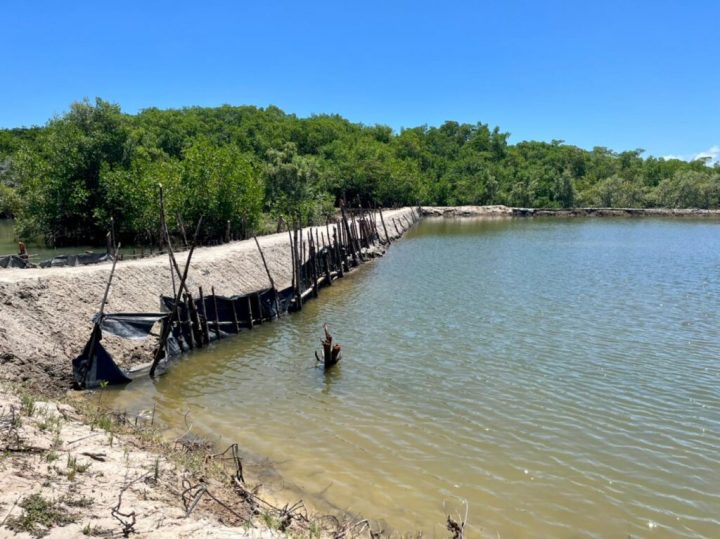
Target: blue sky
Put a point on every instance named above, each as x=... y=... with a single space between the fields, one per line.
x=624 y=75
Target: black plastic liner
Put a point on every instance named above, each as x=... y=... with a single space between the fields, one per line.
x=14 y=261
x=95 y=365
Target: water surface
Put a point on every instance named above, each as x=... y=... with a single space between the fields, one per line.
x=560 y=376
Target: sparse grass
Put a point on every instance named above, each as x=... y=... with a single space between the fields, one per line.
x=39 y=514
x=269 y=520
x=27 y=404
x=104 y=422
x=51 y=456
x=73 y=468
x=53 y=423
x=82 y=501
x=314 y=530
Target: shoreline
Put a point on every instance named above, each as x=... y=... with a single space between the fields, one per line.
x=46 y=314
x=45 y=319
x=74 y=467
x=509 y=211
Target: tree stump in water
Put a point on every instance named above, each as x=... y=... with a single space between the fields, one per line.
x=331 y=353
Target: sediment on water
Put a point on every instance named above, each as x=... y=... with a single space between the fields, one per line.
x=46 y=314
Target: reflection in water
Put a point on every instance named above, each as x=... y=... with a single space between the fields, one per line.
x=331 y=375
x=561 y=376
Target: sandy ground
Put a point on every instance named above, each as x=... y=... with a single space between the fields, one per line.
x=80 y=468
x=45 y=314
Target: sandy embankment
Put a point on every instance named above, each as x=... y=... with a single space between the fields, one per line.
x=77 y=463
x=56 y=457
x=45 y=314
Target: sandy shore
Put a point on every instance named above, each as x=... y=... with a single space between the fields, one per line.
x=45 y=314
x=72 y=470
x=65 y=463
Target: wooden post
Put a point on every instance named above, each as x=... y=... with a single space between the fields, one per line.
x=217 y=315
x=298 y=285
x=250 y=311
x=338 y=259
x=112 y=233
x=166 y=237
x=160 y=351
x=235 y=318
x=272 y=281
x=188 y=322
x=313 y=262
x=349 y=235
x=91 y=349
x=205 y=331
x=292 y=260
x=382 y=220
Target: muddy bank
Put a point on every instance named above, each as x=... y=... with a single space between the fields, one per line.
x=45 y=314
x=466 y=211
x=615 y=212
x=507 y=211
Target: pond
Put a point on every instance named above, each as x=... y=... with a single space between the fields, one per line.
x=559 y=376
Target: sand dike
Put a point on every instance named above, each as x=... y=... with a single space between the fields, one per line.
x=46 y=314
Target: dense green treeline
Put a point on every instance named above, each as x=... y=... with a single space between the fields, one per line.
x=249 y=166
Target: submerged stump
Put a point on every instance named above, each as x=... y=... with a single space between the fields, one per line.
x=331 y=353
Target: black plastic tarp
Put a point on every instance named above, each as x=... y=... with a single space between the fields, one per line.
x=134 y=326
x=95 y=365
x=83 y=259
x=14 y=261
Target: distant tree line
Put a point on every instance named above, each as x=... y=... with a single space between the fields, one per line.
x=245 y=168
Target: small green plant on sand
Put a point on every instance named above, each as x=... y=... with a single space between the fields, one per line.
x=39 y=515
x=269 y=520
x=27 y=404
x=73 y=468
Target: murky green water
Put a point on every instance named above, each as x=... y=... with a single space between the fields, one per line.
x=38 y=251
x=560 y=376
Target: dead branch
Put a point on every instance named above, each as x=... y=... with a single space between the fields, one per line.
x=126 y=520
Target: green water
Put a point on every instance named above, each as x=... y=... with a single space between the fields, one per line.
x=560 y=376
x=37 y=250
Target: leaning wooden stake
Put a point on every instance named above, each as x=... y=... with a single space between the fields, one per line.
x=217 y=315
x=347 y=231
x=272 y=281
x=160 y=352
x=91 y=350
x=107 y=287
x=205 y=330
x=166 y=237
x=382 y=220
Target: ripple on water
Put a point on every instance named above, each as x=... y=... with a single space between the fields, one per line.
x=560 y=376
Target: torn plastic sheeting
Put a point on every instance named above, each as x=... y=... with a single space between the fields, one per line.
x=134 y=326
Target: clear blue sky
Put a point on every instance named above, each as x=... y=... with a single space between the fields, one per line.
x=621 y=74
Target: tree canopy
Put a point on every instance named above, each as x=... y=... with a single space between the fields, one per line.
x=240 y=165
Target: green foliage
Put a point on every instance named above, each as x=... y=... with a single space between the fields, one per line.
x=245 y=165
x=293 y=185
x=220 y=183
x=39 y=514
x=689 y=189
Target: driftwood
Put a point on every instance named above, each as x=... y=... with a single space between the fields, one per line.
x=331 y=353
